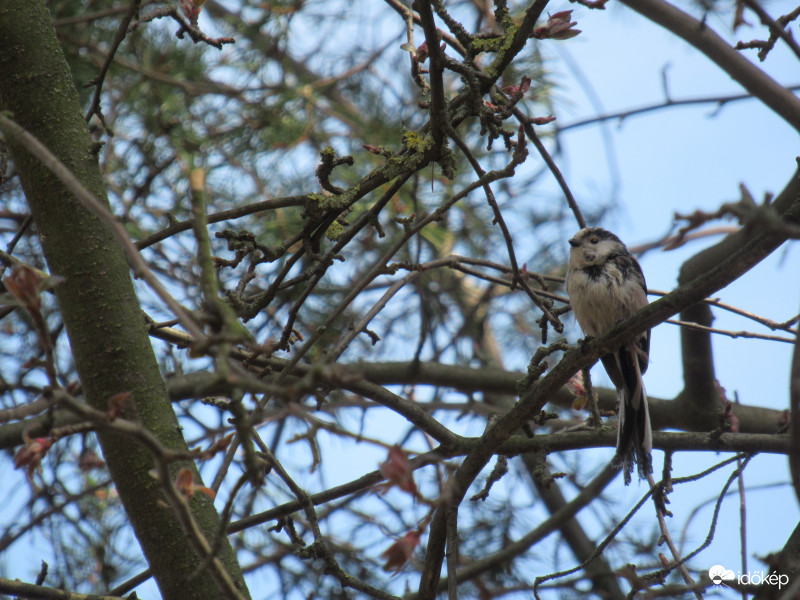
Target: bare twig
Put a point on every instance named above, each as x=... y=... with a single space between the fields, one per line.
x=776 y=30
x=122 y=31
x=666 y=537
x=223 y=215
x=668 y=103
x=653 y=489
x=516 y=276
x=19 y=589
x=733 y=334
x=185 y=27
x=551 y=164
x=702 y=37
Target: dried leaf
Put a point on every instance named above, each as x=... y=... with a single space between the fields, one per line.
x=399 y=553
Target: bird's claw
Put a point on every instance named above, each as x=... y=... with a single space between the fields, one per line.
x=583 y=343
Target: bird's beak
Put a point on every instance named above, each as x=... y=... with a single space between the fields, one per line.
x=574 y=243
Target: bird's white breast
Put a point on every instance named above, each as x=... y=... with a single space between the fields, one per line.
x=600 y=303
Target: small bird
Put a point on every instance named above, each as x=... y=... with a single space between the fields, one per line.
x=606 y=285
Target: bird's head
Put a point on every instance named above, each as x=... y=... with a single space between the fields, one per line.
x=593 y=246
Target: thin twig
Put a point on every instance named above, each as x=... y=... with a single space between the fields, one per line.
x=224 y=215
x=774 y=95
x=498 y=218
x=776 y=30
x=653 y=488
x=551 y=164
x=667 y=538
x=732 y=334
x=669 y=103
x=122 y=32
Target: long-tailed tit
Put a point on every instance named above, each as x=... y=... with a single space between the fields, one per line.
x=605 y=285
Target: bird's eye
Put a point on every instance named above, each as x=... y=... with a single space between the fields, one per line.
x=593 y=240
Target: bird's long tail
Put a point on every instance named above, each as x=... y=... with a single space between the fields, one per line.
x=634 y=434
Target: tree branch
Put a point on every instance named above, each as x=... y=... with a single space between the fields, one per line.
x=702 y=37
